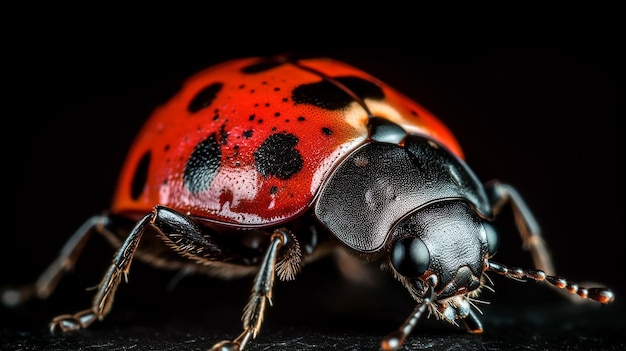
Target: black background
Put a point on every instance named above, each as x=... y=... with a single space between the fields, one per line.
x=537 y=107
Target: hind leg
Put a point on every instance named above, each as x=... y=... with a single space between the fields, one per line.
x=49 y=279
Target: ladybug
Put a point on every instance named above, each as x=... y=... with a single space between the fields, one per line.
x=258 y=166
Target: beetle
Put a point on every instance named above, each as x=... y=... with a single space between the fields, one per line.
x=260 y=165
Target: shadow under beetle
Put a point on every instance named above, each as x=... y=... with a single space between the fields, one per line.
x=260 y=165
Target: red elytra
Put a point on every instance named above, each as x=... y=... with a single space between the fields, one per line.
x=210 y=151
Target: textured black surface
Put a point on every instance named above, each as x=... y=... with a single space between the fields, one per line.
x=170 y=337
x=539 y=111
x=311 y=316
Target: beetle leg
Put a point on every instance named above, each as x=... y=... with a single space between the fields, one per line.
x=169 y=223
x=396 y=339
x=501 y=194
x=261 y=295
x=106 y=289
x=49 y=279
x=472 y=323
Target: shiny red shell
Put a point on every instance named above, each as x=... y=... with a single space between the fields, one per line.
x=250 y=141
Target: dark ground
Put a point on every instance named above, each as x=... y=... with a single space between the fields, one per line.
x=317 y=312
x=538 y=112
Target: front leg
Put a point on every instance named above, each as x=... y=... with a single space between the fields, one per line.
x=501 y=194
x=396 y=339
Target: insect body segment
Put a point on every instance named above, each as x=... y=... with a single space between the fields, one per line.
x=259 y=166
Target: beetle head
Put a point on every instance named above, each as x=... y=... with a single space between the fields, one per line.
x=442 y=249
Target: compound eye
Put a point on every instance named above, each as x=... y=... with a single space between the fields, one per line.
x=410 y=257
x=493 y=241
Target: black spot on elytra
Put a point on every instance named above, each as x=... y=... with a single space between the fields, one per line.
x=204 y=97
x=277 y=156
x=247 y=134
x=273 y=190
x=141 y=176
x=329 y=96
x=203 y=165
x=327 y=131
x=261 y=66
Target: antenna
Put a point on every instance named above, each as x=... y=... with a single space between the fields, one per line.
x=601 y=295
